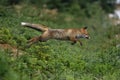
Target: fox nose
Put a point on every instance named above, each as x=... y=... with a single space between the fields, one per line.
x=87 y=37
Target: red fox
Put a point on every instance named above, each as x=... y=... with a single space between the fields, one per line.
x=60 y=34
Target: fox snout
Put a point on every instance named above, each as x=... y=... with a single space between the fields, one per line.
x=82 y=36
x=87 y=37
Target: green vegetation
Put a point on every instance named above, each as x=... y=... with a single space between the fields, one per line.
x=97 y=59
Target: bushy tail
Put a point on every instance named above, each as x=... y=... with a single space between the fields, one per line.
x=38 y=27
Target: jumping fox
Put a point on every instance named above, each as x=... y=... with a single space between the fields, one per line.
x=60 y=34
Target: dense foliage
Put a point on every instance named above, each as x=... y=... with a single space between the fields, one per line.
x=64 y=5
x=97 y=59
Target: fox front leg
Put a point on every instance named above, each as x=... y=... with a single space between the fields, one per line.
x=74 y=40
x=80 y=42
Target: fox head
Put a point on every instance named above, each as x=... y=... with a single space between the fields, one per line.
x=84 y=33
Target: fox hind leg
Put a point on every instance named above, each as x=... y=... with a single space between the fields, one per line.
x=33 y=40
x=36 y=39
x=43 y=38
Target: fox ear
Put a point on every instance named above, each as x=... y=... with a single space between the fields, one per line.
x=85 y=27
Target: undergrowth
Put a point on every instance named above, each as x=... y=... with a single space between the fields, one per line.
x=97 y=59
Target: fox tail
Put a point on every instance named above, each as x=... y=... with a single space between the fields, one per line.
x=38 y=27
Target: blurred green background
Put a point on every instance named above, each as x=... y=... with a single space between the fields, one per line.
x=97 y=59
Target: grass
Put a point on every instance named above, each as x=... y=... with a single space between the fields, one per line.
x=97 y=59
